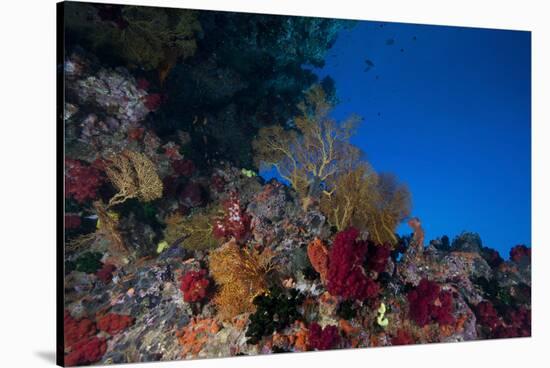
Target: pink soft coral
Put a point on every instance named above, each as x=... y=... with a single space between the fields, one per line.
x=346 y=276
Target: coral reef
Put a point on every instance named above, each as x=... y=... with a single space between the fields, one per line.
x=180 y=245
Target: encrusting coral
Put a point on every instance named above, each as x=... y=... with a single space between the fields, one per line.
x=241 y=275
x=134 y=176
x=196 y=334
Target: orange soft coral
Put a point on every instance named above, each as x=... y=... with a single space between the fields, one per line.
x=318 y=256
x=196 y=334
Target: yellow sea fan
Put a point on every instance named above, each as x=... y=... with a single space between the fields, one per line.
x=134 y=176
x=241 y=275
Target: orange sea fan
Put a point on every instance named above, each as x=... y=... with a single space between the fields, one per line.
x=240 y=273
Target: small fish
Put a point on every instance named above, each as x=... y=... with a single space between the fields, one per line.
x=369 y=65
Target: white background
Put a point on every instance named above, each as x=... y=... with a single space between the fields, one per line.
x=27 y=181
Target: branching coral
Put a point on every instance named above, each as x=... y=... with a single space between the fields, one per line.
x=82 y=182
x=134 y=176
x=193 y=232
x=276 y=309
x=315 y=154
x=428 y=303
x=366 y=200
x=323 y=338
x=346 y=276
x=194 y=285
x=241 y=275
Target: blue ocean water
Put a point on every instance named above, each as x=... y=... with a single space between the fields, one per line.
x=448 y=110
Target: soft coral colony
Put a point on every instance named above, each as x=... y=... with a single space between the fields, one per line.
x=176 y=248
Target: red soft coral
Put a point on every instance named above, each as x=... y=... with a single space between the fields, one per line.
x=428 y=303
x=86 y=352
x=192 y=195
x=153 y=101
x=520 y=253
x=105 y=274
x=82 y=182
x=113 y=323
x=517 y=321
x=487 y=315
x=377 y=257
x=77 y=330
x=346 y=276
x=194 y=285
x=403 y=337
x=183 y=167
x=235 y=223
x=72 y=221
x=323 y=338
